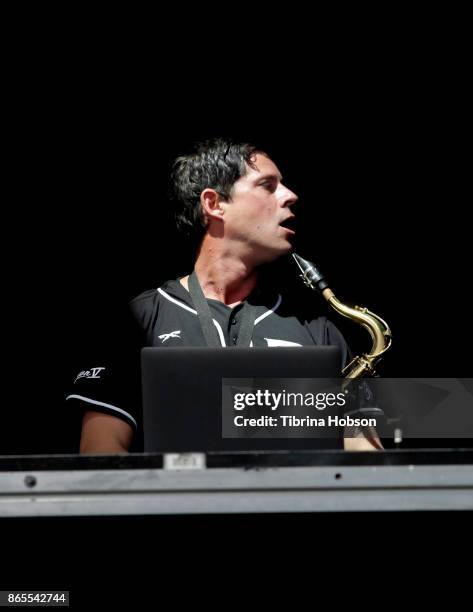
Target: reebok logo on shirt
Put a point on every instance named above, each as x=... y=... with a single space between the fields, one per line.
x=173 y=334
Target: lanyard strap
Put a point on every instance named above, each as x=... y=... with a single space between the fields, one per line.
x=206 y=320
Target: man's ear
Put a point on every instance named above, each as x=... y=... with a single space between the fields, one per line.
x=211 y=203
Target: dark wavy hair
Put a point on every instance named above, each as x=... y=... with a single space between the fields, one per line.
x=215 y=164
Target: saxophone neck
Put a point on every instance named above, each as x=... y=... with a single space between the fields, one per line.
x=378 y=328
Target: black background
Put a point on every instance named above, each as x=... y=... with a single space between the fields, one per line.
x=376 y=156
x=370 y=126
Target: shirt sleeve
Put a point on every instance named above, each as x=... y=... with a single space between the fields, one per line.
x=107 y=376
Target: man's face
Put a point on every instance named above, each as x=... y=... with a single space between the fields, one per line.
x=259 y=204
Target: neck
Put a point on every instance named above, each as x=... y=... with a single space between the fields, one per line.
x=223 y=274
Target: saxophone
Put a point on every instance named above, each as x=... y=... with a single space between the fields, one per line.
x=363 y=365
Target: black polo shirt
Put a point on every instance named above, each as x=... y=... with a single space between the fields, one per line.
x=111 y=381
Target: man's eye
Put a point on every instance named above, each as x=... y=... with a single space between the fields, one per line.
x=268 y=185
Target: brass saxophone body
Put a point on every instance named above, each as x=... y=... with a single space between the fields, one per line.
x=363 y=365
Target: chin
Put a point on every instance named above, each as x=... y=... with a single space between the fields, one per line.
x=286 y=247
x=269 y=254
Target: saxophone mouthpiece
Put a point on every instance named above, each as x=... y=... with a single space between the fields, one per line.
x=310 y=274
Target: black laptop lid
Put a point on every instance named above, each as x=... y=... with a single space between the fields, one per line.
x=182 y=393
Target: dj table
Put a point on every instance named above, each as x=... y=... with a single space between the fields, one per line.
x=231 y=483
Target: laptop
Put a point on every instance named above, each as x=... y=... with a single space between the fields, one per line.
x=182 y=394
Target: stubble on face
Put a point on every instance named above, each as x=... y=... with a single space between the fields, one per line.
x=259 y=202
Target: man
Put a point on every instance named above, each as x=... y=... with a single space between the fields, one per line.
x=233 y=199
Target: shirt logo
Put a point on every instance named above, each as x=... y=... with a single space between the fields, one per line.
x=92 y=373
x=173 y=334
x=277 y=342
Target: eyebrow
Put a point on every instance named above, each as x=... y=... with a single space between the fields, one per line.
x=278 y=177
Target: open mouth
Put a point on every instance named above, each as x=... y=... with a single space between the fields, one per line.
x=289 y=225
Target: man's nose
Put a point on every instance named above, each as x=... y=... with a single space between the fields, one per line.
x=290 y=198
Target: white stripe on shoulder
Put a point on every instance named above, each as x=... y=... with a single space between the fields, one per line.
x=270 y=311
x=178 y=302
x=96 y=403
